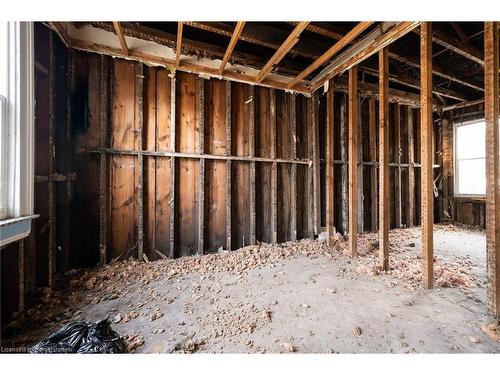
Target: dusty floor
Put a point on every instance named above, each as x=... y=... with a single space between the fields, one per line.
x=303 y=297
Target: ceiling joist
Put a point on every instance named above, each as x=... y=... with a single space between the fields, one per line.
x=232 y=43
x=344 y=41
x=287 y=45
x=178 y=44
x=121 y=37
x=371 y=44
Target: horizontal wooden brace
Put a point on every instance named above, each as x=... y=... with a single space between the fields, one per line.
x=200 y=156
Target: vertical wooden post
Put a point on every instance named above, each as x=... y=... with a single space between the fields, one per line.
x=228 y=165
x=201 y=148
x=274 y=172
x=360 y=183
x=411 y=170
x=353 y=161
x=397 y=174
x=384 y=215
x=344 y=174
x=252 y=166
x=293 y=177
x=52 y=156
x=140 y=186
x=330 y=201
x=103 y=171
x=447 y=156
x=316 y=166
x=491 y=66
x=172 y=213
x=427 y=211
x=373 y=169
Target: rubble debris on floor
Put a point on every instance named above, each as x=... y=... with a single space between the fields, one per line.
x=292 y=297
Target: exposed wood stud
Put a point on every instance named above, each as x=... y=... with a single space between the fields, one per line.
x=251 y=103
x=140 y=160
x=232 y=43
x=397 y=160
x=52 y=155
x=411 y=170
x=427 y=196
x=491 y=54
x=172 y=196
x=372 y=126
x=274 y=171
x=287 y=45
x=353 y=161
x=293 y=177
x=344 y=41
x=103 y=159
x=344 y=170
x=201 y=189
x=383 y=141
x=121 y=37
x=360 y=169
x=447 y=156
x=178 y=44
x=228 y=166
x=330 y=198
x=316 y=165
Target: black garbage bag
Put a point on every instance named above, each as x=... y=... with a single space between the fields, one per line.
x=82 y=337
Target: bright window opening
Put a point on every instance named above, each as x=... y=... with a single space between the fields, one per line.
x=470 y=158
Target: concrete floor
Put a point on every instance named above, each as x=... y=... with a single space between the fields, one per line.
x=305 y=303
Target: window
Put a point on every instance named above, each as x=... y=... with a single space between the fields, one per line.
x=16 y=130
x=470 y=158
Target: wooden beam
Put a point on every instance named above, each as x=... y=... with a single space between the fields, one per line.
x=397 y=171
x=274 y=171
x=172 y=183
x=344 y=165
x=121 y=37
x=185 y=66
x=178 y=44
x=201 y=181
x=292 y=39
x=396 y=32
x=372 y=126
x=293 y=172
x=353 y=161
x=491 y=51
x=232 y=44
x=252 y=187
x=330 y=199
x=384 y=215
x=316 y=164
x=411 y=169
x=347 y=39
x=228 y=168
x=427 y=194
x=139 y=99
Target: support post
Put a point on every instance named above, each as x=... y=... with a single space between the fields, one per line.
x=344 y=174
x=353 y=161
x=411 y=170
x=384 y=215
x=252 y=167
x=330 y=201
x=52 y=156
x=140 y=160
x=427 y=203
x=316 y=166
x=172 y=207
x=274 y=172
x=228 y=165
x=293 y=187
x=491 y=66
x=201 y=147
x=373 y=169
x=103 y=171
x=397 y=170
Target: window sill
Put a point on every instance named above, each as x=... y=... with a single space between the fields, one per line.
x=478 y=198
x=15 y=229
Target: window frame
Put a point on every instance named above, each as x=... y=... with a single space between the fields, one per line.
x=456 y=193
x=18 y=131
